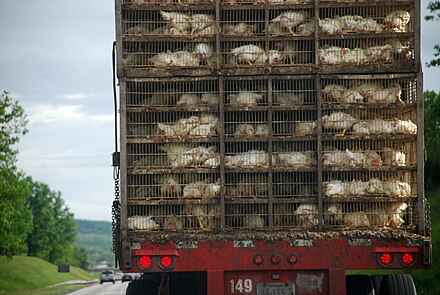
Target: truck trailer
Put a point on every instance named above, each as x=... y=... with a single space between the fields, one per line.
x=269 y=146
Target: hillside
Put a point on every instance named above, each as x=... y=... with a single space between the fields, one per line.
x=96 y=238
x=31 y=275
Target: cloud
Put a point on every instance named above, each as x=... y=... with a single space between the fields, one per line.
x=47 y=113
x=77 y=96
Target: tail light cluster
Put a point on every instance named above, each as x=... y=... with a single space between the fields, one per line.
x=406 y=259
x=146 y=262
x=275 y=259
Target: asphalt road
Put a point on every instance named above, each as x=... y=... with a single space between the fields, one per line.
x=105 y=289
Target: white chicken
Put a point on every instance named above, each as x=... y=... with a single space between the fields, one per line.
x=169 y=186
x=287 y=98
x=404 y=127
x=332 y=55
x=378 y=126
x=395 y=188
x=253 y=221
x=297 y=159
x=375 y=186
x=201 y=190
x=247 y=54
x=329 y=26
x=334 y=92
x=336 y=189
x=386 y=95
x=204 y=52
x=249 y=159
x=290 y=19
x=368 y=90
x=173 y=223
x=199 y=22
x=305 y=128
x=179 y=22
x=137 y=30
x=354 y=56
x=351 y=96
x=307 y=215
x=306 y=29
x=350 y=23
x=356 y=219
x=185 y=59
x=394 y=158
x=204 y=218
x=379 y=53
x=396 y=214
x=163 y=59
x=209 y=99
x=397 y=21
x=241 y=29
x=369 y=25
x=142 y=222
x=245 y=98
x=358 y=188
x=338 y=121
x=188 y=100
x=334 y=215
x=244 y=130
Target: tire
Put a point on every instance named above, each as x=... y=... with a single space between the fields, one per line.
x=376 y=280
x=399 y=284
x=113 y=282
x=100 y=282
x=359 y=285
x=142 y=287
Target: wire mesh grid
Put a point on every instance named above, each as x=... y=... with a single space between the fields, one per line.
x=295 y=185
x=366 y=185
x=358 y=51
x=251 y=186
x=366 y=20
x=157 y=23
x=187 y=216
x=370 y=215
x=169 y=55
x=246 y=215
x=246 y=125
x=181 y=93
x=370 y=90
x=367 y=122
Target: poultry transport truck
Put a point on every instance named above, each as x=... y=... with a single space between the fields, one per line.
x=269 y=146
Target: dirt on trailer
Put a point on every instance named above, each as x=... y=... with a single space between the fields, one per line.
x=387 y=234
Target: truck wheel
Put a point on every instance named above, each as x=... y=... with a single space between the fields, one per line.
x=398 y=284
x=376 y=280
x=142 y=287
x=359 y=285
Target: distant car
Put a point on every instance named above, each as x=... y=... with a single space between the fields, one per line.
x=127 y=277
x=107 y=276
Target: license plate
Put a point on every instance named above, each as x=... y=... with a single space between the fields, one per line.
x=276 y=289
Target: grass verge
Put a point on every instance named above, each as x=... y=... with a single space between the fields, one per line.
x=31 y=275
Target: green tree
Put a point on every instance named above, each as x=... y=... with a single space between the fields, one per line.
x=434 y=9
x=64 y=233
x=80 y=258
x=432 y=138
x=44 y=223
x=15 y=216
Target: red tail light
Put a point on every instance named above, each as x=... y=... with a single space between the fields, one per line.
x=258 y=259
x=292 y=259
x=166 y=262
x=385 y=259
x=407 y=259
x=274 y=259
x=145 y=262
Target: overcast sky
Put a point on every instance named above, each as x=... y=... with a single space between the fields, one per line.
x=55 y=58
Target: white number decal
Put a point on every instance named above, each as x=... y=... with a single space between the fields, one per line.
x=241 y=286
